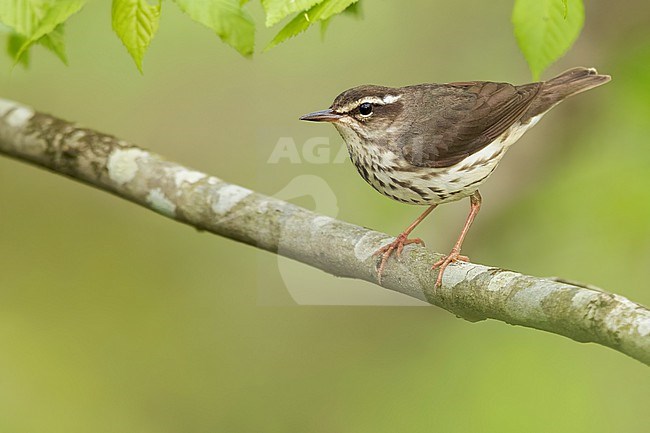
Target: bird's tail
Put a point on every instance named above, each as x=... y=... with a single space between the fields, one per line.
x=568 y=83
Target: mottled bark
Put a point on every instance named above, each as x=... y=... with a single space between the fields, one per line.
x=471 y=291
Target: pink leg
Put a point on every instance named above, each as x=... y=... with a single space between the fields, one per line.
x=454 y=255
x=398 y=244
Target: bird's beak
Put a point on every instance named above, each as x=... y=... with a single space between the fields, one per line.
x=322 y=116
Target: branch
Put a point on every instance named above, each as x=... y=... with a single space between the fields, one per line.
x=473 y=292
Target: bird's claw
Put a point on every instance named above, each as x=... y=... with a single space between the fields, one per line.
x=396 y=246
x=452 y=257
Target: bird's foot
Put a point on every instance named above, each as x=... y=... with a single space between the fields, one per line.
x=452 y=257
x=396 y=246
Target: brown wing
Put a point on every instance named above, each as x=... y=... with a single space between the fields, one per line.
x=465 y=118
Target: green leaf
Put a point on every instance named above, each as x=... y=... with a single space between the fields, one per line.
x=354 y=10
x=303 y=20
x=54 y=42
x=545 y=30
x=22 y=15
x=136 y=23
x=32 y=20
x=56 y=13
x=14 y=42
x=277 y=10
x=324 y=25
x=226 y=18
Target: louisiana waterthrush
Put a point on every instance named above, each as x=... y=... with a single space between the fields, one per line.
x=430 y=144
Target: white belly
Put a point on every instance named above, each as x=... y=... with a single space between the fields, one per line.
x=433 y=185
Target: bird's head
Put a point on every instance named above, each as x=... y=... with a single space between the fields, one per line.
x=371 y=113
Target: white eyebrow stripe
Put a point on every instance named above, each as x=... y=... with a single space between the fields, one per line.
x=388 y=99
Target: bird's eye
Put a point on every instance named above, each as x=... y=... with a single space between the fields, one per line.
x=365 y=109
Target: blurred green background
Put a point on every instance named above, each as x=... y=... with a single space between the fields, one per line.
x=114 y=319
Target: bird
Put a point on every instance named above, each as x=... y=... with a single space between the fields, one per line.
x=431 y=144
